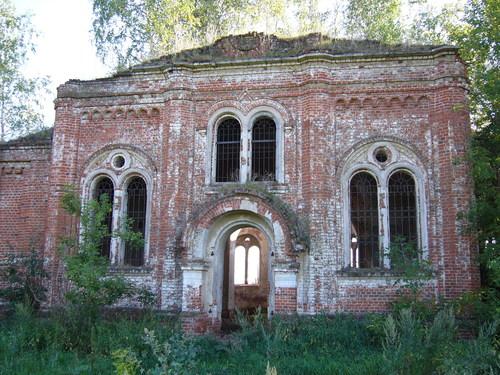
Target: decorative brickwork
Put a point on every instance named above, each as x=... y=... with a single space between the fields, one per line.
x=334 y=103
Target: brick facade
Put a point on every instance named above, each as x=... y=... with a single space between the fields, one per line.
x=332 y=101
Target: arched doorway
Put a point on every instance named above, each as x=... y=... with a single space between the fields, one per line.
x=246 y=274
x=208 y=286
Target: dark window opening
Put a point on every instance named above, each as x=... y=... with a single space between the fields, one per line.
x=264 y=150
x=118 y=161
x=228 y=151
x=402 y=208
x=136 y=213
x=364 y=221
x=381 y=155
x=105 y=189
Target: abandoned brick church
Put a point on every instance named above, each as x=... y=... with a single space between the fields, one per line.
x=261 y=171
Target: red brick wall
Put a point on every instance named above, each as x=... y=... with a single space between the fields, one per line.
x=285 y=300
x=329 y=108
x=24 y=192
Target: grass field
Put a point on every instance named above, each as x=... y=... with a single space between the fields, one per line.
x=67 y=343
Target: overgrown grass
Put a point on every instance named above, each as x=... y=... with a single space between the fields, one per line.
x=63 y=343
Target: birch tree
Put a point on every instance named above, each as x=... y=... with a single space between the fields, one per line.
x=20 y=111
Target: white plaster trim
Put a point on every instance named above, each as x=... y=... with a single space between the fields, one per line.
x=362 y=160
x=283 y=279
x=124 y=182
x=246 y=123
x=214 y=241
x=120 y=178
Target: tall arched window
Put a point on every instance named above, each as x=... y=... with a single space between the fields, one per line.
x=136 y=212
x=105 y=189
x=264 y=150
x=364 y=221
x=228 y=151
x=246 y=261
x=402 y=208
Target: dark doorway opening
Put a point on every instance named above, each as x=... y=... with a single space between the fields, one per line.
x=246 y=280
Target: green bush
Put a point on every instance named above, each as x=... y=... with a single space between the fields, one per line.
x=24 y=276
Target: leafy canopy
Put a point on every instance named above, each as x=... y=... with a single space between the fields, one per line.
x=19 y=96
x=86 y=269
x=129 y=31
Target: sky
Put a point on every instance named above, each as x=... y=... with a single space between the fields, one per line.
x=64 y=44
x=64 y=47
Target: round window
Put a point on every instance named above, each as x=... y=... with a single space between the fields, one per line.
x=118 y=161
x=382 y=155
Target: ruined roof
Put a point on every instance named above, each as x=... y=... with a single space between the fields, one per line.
x=259 y=46
x=40 y=138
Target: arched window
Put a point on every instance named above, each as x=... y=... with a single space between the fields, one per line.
x=364 y=221
x=246 y=261
x=402 y=208
x=136 y=212
x=239 y=265
x=104 y=189
x=264 y=150
x=253 y=265
x=228 y=151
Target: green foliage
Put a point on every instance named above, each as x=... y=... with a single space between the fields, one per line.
x=340 y=344
x=86 y=269
x=479 y=40
x=413 y=347
x=125 y=362
x=479 y=356
x=63 y=343
x=374 y=19
x=414 y=272
x=19 y=96
x=24 y=276
x=129 y=31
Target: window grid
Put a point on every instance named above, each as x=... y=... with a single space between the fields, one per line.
x=402 y=208
x=264 y=150
x=228 y=151
x=364 y=219
x=105 y=188
x=136 y=212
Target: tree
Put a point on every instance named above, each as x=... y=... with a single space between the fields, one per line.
x=374 y=19
x=129 y=31
x=19 y=96
x=479 y=42
x=86 y=269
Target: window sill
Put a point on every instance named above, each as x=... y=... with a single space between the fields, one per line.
x=247 y=286
x=365 y=273
x=268 y=186
x=130 y=270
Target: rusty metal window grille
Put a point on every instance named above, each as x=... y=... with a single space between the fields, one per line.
x=136 y=212
x=364 y=221
x=402 y=208
x=104 y=188
x=228 y=151
x=264 y=150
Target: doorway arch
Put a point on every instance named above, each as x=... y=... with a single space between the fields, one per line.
x=223 y=293
x=203 y=242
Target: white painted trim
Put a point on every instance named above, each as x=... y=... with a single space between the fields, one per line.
x=246 y=122
x=362 y=159
x=124 y=182
x=120 y=178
